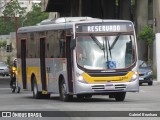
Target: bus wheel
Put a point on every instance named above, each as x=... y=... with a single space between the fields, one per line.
x=46 y=96
x=36 y=93
x=63 y=92
x=120 y=96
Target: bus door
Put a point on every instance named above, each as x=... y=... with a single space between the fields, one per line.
x=42 y=63
x=23 y=63
x=69 y=63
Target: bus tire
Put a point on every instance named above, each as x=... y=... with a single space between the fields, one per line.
x=36 y=93
x=63 y=92
x=46 y=96
x=120 y=96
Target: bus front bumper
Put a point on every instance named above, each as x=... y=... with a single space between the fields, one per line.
x=84 y=88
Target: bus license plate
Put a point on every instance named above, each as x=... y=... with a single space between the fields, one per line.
x=109 y=87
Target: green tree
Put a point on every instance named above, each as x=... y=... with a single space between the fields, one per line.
x=9 y=61
x=0 y=44
x=4 y=43
x=8 y=22
x=13 y=8
x=35 y=16
x=148 y=35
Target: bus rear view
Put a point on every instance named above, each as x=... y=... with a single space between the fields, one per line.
x=106 y=59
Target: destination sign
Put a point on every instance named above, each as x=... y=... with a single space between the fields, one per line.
x=104 y=27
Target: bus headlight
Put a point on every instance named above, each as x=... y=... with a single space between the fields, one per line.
x=134 y=76
x=80 y=78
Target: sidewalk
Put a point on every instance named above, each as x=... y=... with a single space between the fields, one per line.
x=155 y=82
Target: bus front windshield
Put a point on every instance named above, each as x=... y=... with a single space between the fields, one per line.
x=105 y=52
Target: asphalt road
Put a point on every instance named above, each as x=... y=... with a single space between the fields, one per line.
x=148 y=99
x=4 y=82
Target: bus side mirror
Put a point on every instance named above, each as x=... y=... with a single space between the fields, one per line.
x=73 y=44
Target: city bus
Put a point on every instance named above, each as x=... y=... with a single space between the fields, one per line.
x=78 y=57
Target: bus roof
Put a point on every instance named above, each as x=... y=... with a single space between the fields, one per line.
x=63 y=23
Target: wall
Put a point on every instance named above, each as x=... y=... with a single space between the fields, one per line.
x=156 y=28
x=158 y=55
x=156 y=15
x=11 y=38
x=44 y=4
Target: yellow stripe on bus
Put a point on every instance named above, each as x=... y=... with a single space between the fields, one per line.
x=29 y=71
x=125 y=78
x=36 y=71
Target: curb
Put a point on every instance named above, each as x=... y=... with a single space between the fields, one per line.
x=155 y=82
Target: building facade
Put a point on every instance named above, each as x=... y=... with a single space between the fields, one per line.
x=10 y=40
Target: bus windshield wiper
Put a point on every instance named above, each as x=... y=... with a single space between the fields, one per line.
x=115 y=40
x=108 y=51
x=97 y=42
x=109 y=48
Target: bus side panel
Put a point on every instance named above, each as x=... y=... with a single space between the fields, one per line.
x=69 y=64
x=33 y=67
x=19 y=73
x=54 y=68
x=23 y=62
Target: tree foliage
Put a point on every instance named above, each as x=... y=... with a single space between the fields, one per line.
x=13 y=8
x=9 y=22
x=3 y=43
x=35 y=16
x=147 y=34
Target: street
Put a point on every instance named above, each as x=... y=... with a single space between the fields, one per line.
x=148 y=99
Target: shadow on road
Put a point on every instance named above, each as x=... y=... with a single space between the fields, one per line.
x=4 y=82
x=76 y=100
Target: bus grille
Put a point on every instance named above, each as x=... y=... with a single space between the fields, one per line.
x=98 y=87
x=101 y=88
x=120 y=86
